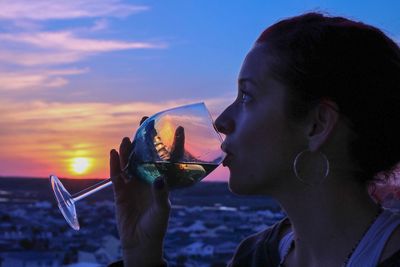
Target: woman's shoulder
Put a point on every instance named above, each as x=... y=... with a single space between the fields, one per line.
x=392 y=261
x=391 y=252
x=270 y=235
x=260 y=248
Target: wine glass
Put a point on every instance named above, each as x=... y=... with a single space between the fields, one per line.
x=180 y=144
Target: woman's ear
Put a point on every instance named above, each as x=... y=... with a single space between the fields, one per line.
x=323 y=120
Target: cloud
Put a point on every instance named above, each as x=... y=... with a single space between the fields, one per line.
x=36 y=80
x=53 y=132
x=87 y=117
x=42 y=58
x=67 y=71
x=16 y=81
x=60 y=9
x=100 y=24
x=29 y=46
x=57 y=48
x=67 y=41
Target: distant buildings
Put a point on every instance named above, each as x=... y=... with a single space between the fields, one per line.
x=31 y=259
x=33 y=232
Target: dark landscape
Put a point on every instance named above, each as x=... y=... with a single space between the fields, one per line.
x=207 y=223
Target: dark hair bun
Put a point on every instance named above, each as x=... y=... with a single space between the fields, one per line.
x=354 y=64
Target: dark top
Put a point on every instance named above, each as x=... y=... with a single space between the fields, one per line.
x=262 y=250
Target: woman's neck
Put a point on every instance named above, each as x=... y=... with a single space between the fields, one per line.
x=328 y=220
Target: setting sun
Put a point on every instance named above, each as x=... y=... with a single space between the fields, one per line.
x=167 y=131
x=80 y=165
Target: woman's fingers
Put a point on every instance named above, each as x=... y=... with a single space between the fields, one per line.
x=115 y=169
x=125 y=148
x=178 y=147
x=124 y=151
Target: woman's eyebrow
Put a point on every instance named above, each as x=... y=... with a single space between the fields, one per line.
x=241 y=81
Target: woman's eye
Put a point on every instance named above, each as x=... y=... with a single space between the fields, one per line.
x=245 y=97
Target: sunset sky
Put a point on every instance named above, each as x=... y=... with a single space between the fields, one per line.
x=77 y=76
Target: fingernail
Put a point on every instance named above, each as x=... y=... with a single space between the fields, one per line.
x=179 y=131
x=159 y=183
x=143 y=119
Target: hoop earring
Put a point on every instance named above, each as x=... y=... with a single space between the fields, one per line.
x=310 y=168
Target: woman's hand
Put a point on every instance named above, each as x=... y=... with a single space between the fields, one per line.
x=142 y=212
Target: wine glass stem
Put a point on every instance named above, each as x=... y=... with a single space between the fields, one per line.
x=91 y=189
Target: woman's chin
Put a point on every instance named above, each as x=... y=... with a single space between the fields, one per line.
x=239 y=188
x=249 y=185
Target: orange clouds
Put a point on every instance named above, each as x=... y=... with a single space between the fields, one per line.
x=38 y=138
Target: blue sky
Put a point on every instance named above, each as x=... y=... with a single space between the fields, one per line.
x=202 y=43
x=87 y=60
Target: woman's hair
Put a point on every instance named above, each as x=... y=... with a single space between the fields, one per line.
x=353 y=64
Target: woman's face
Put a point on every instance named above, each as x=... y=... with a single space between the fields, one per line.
x=260 y=141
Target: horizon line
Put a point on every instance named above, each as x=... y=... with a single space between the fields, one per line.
x=81 y=179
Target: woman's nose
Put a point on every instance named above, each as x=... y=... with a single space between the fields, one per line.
x=224 y=123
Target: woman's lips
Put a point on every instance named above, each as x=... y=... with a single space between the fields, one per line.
x=228 y=158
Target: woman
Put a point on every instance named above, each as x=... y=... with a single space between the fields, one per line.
x=313 y=124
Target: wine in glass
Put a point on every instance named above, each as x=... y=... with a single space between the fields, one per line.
x=180 y=144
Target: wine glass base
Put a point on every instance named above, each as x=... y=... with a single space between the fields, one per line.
x=65 y=202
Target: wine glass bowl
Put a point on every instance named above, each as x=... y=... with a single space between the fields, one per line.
x=180 y=144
